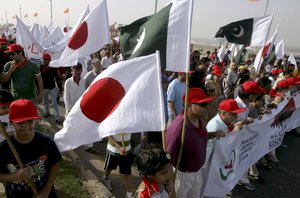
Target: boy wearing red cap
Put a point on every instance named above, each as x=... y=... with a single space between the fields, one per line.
x=37 y=151
x=23 y=74
x=189 y=179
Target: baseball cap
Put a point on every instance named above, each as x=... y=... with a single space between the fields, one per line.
x=253 y=88
x=274 y=93
x=217 y=72
x=21 y=110
x=197 y=95
x=291 y=80
x=231 y=106
x=3 y=40
x=274 y=71
x=46 y=56
x=14 y=48
x=283 y=84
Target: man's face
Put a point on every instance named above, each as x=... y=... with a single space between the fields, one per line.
x=77 y=72
x=46 y=61
x=16 y=56
x=24 y=130
x=199 y=110
x=96 y=67
x=228 y=117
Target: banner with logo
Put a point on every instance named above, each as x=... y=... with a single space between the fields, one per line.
x=235 y=153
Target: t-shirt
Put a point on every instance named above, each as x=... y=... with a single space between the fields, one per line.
x=40 y=154
x=22 y=80
x=175 y=92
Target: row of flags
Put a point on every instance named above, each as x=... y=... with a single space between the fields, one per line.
x=101 y=112
x=36 y=13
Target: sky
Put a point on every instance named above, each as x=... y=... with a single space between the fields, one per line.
x=208 y=15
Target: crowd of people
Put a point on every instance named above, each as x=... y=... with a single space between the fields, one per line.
x=224 y=93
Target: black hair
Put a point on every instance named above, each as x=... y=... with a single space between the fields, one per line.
x=203 y=60
x=264 y=81
x=5 y=96
x=151 y=159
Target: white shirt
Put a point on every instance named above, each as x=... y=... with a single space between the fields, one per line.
x=241 y=104
x=7 y=125
x=216 y=123
x=105 y=62
x=72 y=92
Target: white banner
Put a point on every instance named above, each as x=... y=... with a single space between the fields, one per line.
x=235 y=153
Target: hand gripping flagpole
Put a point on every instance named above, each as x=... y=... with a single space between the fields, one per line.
x=183 y=125
x=13 y=149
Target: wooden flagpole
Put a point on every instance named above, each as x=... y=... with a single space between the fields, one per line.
x=163 y=135
x=13 y=149
x=183 y=125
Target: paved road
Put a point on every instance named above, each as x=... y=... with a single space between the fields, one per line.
x=283 y=180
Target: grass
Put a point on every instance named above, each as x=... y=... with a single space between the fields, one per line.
x=68 y=184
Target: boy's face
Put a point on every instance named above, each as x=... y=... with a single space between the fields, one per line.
x=4 y=110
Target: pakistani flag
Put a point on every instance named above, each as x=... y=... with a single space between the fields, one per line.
x=167 y=31
x=253 y=31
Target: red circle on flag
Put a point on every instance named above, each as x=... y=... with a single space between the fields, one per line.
x=79 y=37
x=102 y=98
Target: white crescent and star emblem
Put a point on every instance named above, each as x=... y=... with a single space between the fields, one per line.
x=139 y=41
x=240 y=33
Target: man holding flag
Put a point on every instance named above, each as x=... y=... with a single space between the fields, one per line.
x=190 y=179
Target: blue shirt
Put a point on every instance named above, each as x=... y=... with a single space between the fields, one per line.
x=175 y=92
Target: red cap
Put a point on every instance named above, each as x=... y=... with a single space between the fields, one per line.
x=215 y=67
x=21 y=110
x=274 y=93
x=217 y=72
x=231 y=106
x=274 y=72
x=253 y=88
x=46 y=56
x=291 y=80
x=3 y=40
x=283 y=84
x=298 y=78
x=280 y=71
x=14 y=48
x=197 y=95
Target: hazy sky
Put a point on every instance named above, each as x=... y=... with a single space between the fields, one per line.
x=208 y=15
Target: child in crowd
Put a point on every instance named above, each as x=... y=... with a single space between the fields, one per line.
x=157 y=172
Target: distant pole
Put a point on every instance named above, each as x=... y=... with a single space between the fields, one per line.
x=51 y=16
x=155 y=8
x=20 y=12
x=266 y=7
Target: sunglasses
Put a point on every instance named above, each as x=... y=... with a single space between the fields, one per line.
x=210 y=90
x=203 y=105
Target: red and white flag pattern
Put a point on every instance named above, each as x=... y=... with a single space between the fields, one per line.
x=88 y=38
x=126 y=97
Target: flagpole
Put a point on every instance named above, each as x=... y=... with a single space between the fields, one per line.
x=155 y=7
x=183 y=125
x=20 y=12
x=15 y=153
x=266 y=7
x=51 y=16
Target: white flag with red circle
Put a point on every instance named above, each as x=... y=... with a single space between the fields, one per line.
x=125 y=98
x=89 y=37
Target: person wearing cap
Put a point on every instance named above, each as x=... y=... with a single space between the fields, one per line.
x=189 y=178
x=246 y=94
x=176 y=90
x=6 y=99
x=23 y=75
x=37 y=151
x=223 y=121
x=74 y=87
x=50 y=77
